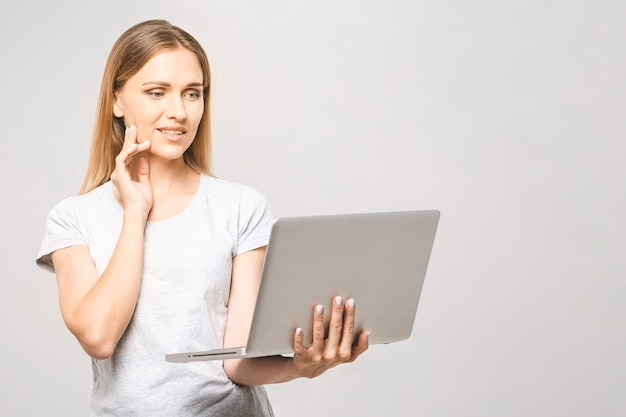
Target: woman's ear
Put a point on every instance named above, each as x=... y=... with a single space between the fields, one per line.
x=117 y=110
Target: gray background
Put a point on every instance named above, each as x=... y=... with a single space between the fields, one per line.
x=508 y=116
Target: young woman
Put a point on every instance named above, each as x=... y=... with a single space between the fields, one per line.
x=155 y=255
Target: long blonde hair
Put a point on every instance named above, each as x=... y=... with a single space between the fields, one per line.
x=129 y=54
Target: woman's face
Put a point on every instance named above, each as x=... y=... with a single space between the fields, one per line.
x=164 y=101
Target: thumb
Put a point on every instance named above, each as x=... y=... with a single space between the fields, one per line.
x=143 y=170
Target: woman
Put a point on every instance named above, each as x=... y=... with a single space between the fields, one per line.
x=155 y=255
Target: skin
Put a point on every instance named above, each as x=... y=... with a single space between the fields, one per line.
x=162 y=105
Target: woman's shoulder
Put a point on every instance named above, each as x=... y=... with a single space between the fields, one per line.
x=236 y=199
x=94 y=200
x=225 y=188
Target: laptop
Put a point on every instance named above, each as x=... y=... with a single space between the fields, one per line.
x=378 y=259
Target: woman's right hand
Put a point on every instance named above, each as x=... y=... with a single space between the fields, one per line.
x=133 y=192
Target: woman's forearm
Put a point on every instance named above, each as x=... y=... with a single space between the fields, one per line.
x=260 y=371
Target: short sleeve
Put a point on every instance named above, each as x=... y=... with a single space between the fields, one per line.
x=255 y=221
x=62 y=231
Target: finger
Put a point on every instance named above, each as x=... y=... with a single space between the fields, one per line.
x=130 y=136
x=347 y=336
x=361 y=345
x=143 y=170
x=131 y=147
x=334 y=328
x=128 y=152
x=122 y=163
x=143 y=146
x=318 y=329
x=298 y=341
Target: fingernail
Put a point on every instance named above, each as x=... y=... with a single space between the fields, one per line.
x=351 y=302
x=145 y=142
x=338 y=300
x=127 y=127
x=298 y=331
x=319 y=309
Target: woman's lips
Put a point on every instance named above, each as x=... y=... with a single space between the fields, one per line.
x=172 y=135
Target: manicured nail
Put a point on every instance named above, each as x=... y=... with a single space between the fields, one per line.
x=351 y=302
x=319 y=309
x=338 y=300
x=145 y=142
x=298 y=331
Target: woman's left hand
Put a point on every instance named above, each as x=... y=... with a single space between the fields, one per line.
x=325 y=353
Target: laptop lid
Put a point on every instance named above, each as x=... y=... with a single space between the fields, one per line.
x=378 y=259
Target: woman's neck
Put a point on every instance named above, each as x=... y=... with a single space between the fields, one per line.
x=173 y=185
x=168 y=176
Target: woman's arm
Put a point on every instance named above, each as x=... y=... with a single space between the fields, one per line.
x=97 y=310
x=307 y=361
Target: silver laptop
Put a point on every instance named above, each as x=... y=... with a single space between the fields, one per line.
x=379 y=259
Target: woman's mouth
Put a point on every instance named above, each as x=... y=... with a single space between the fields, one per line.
x=172 y=134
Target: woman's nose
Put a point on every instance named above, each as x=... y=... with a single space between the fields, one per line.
x=176 y=108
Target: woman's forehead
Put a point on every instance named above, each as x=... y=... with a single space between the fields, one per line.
x=178 y=66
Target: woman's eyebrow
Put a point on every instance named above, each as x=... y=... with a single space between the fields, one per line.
x=166 y=84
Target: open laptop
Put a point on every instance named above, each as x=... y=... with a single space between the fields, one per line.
x=378 y=259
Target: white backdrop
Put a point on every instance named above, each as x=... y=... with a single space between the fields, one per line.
x=507 y=116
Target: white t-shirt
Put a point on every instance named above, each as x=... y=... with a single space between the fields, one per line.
x=183 y=300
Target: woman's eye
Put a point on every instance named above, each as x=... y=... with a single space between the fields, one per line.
x=155 y=94
x=193 y=95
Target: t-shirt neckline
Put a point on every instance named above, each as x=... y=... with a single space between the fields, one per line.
x=187 y=209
